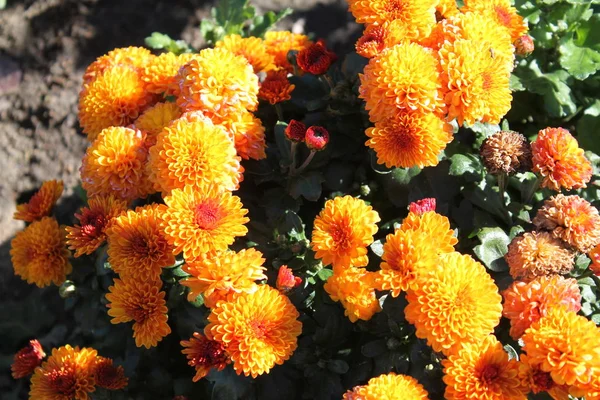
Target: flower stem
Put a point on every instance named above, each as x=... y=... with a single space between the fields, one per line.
x=502 y=183
x=328 y=82
x=293 y=148
x=529 y=194
x=279 y=111
x=305 y=163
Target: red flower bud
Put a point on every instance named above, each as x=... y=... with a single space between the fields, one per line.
x=315 y=59
x=524 y=46
x=316 y=138
x=27 y=359
x=286 y=280
x=295 y=131
x=422 y=206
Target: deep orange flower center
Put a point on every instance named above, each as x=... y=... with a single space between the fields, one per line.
x=139 y=245
x=542 y=381
x=403 y=139
x=503 y=15
x=35 y=203
x=63 y=381
x=487 y=80
x=206 y=215
x=92 y=223
x=141 y=312
x=489 y=373
x=208 y=353
x=341 y=235
x=106 y=374
x=259 y=328
x=394 y=6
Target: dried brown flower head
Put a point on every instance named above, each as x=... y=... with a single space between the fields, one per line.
x=506 y=152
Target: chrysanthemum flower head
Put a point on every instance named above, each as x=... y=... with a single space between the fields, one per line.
x=115 y=164
x=389 y=387
x=286 y=280
x=377 y=38
x=446 y=8
x=159 y=74
x=27 y=359
x=316 y=138
x=259 y=330
x=39 y=253
x=66 y=375
x=252 y=49
x=41 y=203
x=572 y=219
x=280 y=43
x=477 y=82
x=248 y=134
x=107 y=375
x=224 y=273
x=534 y=254
x=137 y=246
x=405 y=77
x=560 y=161
x=482 y=370
x=409 y=139
x=204 y=354
x=115 y=98
x=194 y=153
x=524 y=46
x=354 y=288
x=525 y=303
x=435 y=226
x=142 y=302
x=455 y=304
x=539 y=381
x=199 y=221
x=566 y=345
x=502 y=12
x=295 y=131
x=155 y=119
x=276 y=87
x=135 y=57
x=343 y=230
x=316 y=58
x=90 y=234
x=218 y=81
x=506 y=152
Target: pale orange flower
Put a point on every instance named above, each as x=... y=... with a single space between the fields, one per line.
x=355 y=289
x=41 y=203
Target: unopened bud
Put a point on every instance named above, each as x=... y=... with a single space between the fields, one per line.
x=524 y=46
x=422 y=206
x=316 y=138
x=295 y=131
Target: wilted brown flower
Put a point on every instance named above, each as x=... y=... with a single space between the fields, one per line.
x=506 y=152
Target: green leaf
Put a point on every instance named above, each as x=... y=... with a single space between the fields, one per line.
x=374 y=348
x=324 y=274
x=262 y=23
x=307 y=185
x=512 y=353
x=198 y=301
x=353 y=65
x=553 y=86
x=493 y=247
x=2 y=4
x=466 y=164
x=232 y=14
x=580 y=62
x=377 y=248
x=160 y=41
x=283 y=144
x=338 y=366
x=588 y=128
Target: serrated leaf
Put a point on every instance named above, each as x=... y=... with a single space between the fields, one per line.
x=262 y=23
x=374 y=348
x=580 y=62
x=198 y=301
x=588 y=128
x=160 y=41
x=307 y=185
x=324 y=274
x=465 y=164
x=493 y=247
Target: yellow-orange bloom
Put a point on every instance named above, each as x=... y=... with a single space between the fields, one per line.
x=276 y=87
x=27 y=359
x=482 y=370
x=155 y=119
x=200 y=221
x=535 y=254
x=572 y=219
x=90 y=234
x=252 y=49
x=41 y=203
x=218 y=81
x=39 y=253
x=134 y=57
x=143 y=303
x=248 y=134
x=405 y=77
x=454 y=304
x=342 y=232
x=219 y=276
x=377 y=38
x=194 y=153
x=355 y=289
x=115 y=98
x=107 y=375
x=160 y=73
x=280 y=43
x=389 y=387
x=258 y=329
x=560 y=161
x=418 y=16
x=447 y=8
x=502 y=12
x=137 y=246
x=115 y=164
x=476 y=82
x=566 y=345
x=435 y=225
x=204 y=354
x=66 y=375
x=526 y=302
x=539 y=381
x=409 y=139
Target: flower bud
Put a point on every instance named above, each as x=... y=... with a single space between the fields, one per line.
x=316 y=59
x=422 y=206
x=286 y=280
x=295 y=131
x=316 y=138
x=27 y=359
x=524 y=46
x=506 y=152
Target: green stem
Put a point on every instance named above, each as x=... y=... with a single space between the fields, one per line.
x=279 y=111
x=529 y=195
x=293 y=148
x=328 y=82
x=305 y=163
x=502 y=183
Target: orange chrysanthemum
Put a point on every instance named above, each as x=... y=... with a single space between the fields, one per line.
x=560 y=161
x=572 y=219
x=286 y=280
x=539 y=381
x=316 y=58
x=160 y=73
x=199 y=221
x=280 y=43
x=355 y=289
x=389 y=387
x=115 y=164
x=454 y=304
x=417 y=15
x=219 y=276
x=115 y=98
x=342 y=232
x=477 y=82
x=526 y=302
x=90 y=234
x=194 y=153
x=447 y=8
x=258 y=330
x=155 y=119
x=135 y=57
x=143 y=303
x=66 y=375
x=276 y=87
x=218 y=81
x=252 y=49
x=377 y=38
x=27 y=359
x=39 y=253
x=204 y=354
x=594 y=255
x=248 y=134
x=41 y=203
x=535 y=254
x=482 y=370
x=566 y=345
x=107 y=375
x=403 y=77
x=137 y=246
x=435 y=225
x=502 y=12
x=409 y=139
